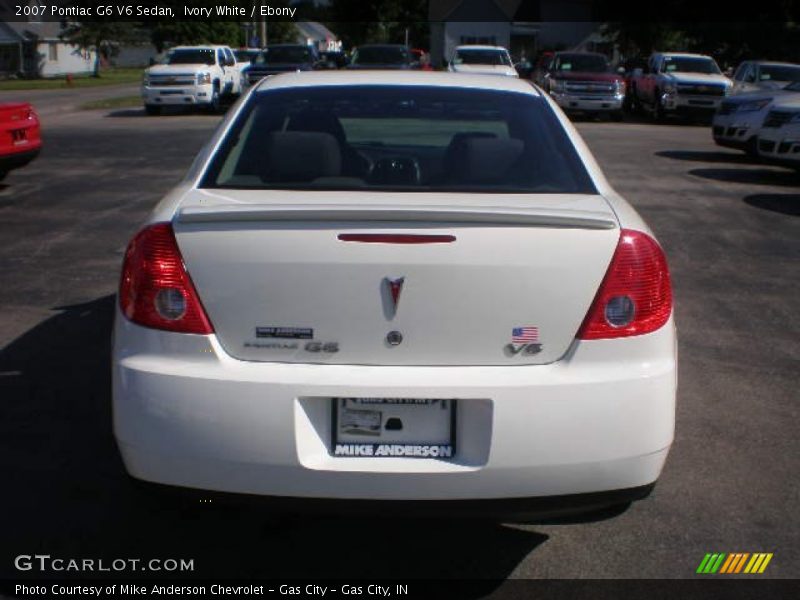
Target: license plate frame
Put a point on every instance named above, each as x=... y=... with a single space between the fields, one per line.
x=374 y=443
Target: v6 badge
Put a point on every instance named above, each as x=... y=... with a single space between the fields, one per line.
x=525 y=349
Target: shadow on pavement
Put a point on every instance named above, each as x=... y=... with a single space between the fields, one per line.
x=65 y=491
x=709 y=157
x=127 y=112
x=787 y=204
x=167 y=111
x=757 y=176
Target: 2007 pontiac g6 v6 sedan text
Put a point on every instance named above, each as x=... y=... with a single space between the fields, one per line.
x=391 y=286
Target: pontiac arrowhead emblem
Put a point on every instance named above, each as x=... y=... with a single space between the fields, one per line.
x=395 y=288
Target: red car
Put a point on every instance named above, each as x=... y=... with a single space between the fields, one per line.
x=20 y=141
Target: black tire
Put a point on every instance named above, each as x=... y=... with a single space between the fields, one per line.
x=658 y=110
x=152 y=109
x=3 y=175
x=216 y=101
x=751 y=149
x=631 y=103
x=615 y=116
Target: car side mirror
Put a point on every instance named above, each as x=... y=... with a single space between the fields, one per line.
x=621 y=70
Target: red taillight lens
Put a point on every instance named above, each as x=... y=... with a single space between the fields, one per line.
x=636 y=294
x=156 y=291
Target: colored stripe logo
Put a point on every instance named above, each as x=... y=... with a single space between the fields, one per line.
x=734 y=562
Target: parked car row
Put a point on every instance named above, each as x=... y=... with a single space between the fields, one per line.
x=754 y=111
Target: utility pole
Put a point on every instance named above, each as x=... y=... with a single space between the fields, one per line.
x=263 y=29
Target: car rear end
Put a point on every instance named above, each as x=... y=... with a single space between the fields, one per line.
x=476 y=332
x=20 y=139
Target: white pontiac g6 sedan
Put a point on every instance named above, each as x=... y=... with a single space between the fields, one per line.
x=397 y=286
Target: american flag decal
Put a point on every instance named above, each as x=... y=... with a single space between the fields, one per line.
x=524 y=335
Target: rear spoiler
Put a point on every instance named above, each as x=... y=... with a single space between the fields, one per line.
x=574 y=219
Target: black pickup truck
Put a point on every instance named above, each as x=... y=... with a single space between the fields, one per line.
x=283 y=58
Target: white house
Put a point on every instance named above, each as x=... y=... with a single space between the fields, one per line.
x=523 y=26
x=33 y=47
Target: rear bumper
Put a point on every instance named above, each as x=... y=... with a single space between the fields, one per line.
x=574 y=102
x=188 y=415
x=539 y=508
x=19 y=158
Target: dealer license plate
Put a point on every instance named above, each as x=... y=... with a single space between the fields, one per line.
x=394 y=427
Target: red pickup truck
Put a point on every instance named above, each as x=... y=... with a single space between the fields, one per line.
x=20 y=141
x=584 y=82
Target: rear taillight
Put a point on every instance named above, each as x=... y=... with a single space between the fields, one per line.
x=635 y=296
x=156 y=291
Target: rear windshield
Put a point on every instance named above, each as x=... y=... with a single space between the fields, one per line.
x=482 y=57
x=191 y=57
x=380 y=55
x=410 y=138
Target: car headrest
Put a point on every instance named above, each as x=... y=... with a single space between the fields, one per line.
x=480 y=159
x=295 y=156
x=319 y=121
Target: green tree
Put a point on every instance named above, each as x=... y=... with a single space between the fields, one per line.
x=101 y=37
x=167 y=33
x=177 y=33
x=379 y=21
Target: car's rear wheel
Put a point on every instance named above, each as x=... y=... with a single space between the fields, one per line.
x=152 y=109
x=3 y=175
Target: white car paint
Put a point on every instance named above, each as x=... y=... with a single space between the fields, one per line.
x=738 y=121
x=779 y=139
x=201 y=411
x=480 y=69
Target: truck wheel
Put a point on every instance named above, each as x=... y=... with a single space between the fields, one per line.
x=658 y=110
x=152 y=109
x=213 y=106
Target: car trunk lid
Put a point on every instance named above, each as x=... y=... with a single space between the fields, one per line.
x=497 y=281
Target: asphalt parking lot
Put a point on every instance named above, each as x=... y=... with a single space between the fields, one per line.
x=731 y=230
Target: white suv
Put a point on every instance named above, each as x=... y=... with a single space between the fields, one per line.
x=192 y=76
